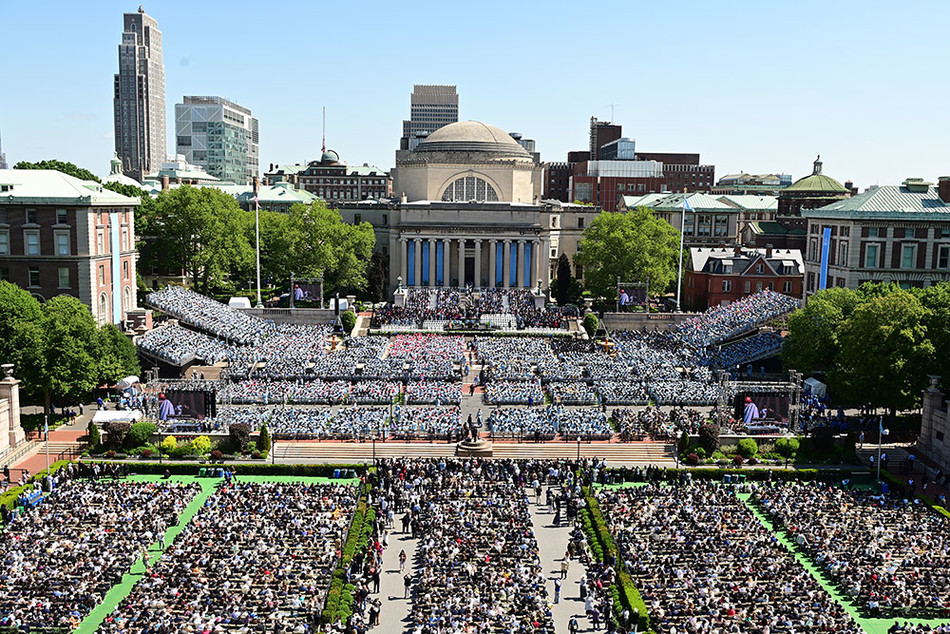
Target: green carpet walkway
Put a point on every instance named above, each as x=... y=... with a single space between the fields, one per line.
x=871 y=626
x=208 y=485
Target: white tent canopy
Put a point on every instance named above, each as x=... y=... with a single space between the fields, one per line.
x=128 y=382
x=104 y=416
x=815 y=387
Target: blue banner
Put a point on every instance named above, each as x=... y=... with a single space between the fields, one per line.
x=513 y=265
x=438 y=263
x=499 y=264
x=411 y=264
x=425 y=263
x=527 y=265
x=825 y=248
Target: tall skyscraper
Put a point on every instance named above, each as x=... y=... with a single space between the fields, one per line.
x=139 y=100
x=220 y=136
x=430 y=108
x=3 y=157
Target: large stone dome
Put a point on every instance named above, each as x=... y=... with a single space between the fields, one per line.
x=473 y=136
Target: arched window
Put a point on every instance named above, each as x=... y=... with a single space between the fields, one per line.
x=469 y=188
x=127 y=299
x=103 y=308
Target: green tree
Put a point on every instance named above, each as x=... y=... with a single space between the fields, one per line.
x=812 y=342
x=132 y=191
x=348 y=321
x=117 y=356
x=202 y=231
x=140 y=433
x=885 y=352
x=71 y=354
x=23 y=336
x=590 y=324
x=59 y=166
x=377 y=277
x=324 y=243
x=278 y=240
x=936 y=299
x=634 y=246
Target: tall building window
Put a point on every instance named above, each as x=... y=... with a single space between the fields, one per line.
x=31 y=216
x=125 y=269
x=704 y=227
x=843 y=254
x=908 y=256
x=870 y=256
x=64 y=277
x=102 y=275
x=721 y=227
x=31 y=240
x=787 y=287
x=34 y=277
x=726 y=286
x=62 y=216
x=5 y=242
x=943 y=256
x=100 y=242
x=62 y=243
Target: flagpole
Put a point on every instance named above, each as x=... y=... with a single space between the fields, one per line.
x=257 y=234
x=679 y=275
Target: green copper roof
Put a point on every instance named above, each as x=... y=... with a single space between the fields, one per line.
x=890 y=202
x=816 y=182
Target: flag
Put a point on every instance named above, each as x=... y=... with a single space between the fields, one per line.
x=686 y=205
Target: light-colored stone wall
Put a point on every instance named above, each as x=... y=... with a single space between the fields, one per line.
x=935 y=426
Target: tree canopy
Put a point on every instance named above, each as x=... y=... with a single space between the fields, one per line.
x=59 y=166
x=58 y=352
x=875 y=344
x=634 y=245
x=201 y=231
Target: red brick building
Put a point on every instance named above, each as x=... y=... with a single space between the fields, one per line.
x=720 y=276
x=63 y=236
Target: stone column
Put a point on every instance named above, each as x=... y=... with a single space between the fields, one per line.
x=404 y=265
x=541 y=263
x=10 y=391
x=492 y=262
x=478 y=263
x=461 y=262
x=446 y=260
x=506 y=267
x=431 y=261
x=521 y=255
x=417 y=263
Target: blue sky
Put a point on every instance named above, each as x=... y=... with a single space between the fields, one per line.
x=752 y=86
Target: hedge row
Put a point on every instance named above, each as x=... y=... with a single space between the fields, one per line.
x=899 y=486
x=9 y=498
x=339 y=604
x=191 y=468
x=624 y=593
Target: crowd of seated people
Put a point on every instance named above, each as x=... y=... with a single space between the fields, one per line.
x=373 y=392
x=746 y=350
x=622 y=392
x=571 y=393
x=256 y=557
x=426 y=423
x=315 y=391
x=721 y=323
x=588 y=424
x=514 y=393
x=209 y=315
x=685 y=392
x=704 y=563
x=477 y=565
x=64 y=554
x=656 y=424
x=178 y=345
x=434 y=392
x=548 y=423
x=890 y=554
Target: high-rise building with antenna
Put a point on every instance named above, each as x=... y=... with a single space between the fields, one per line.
x=139 y=99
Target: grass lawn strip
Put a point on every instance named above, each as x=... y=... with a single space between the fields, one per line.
x=121 y=590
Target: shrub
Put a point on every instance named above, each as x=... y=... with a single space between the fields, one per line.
x=699 y=451
x=747 y=448
x=169 y=444
x=256 y=455
x=683 y=445
x=692 y=459
x=95 y=438
x=709 y=436
x=251 y=447
x=110 y=453
x=239 y=432
x=787 y=447
x=140 y=433
x=263 y=443
x=737 y=460
x=348 y=320
x=590 y=324
x=201 y=445
x=117 y=432
x=146 y=453
x=217 y=455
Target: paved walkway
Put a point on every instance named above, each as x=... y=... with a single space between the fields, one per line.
x=394 y=617
x=552 y=546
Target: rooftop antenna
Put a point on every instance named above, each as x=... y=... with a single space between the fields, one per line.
x=323 y=148
x=612 y=106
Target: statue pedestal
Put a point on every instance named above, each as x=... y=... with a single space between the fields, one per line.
x=474 y=448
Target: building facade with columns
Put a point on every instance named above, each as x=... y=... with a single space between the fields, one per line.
x=469 y=212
